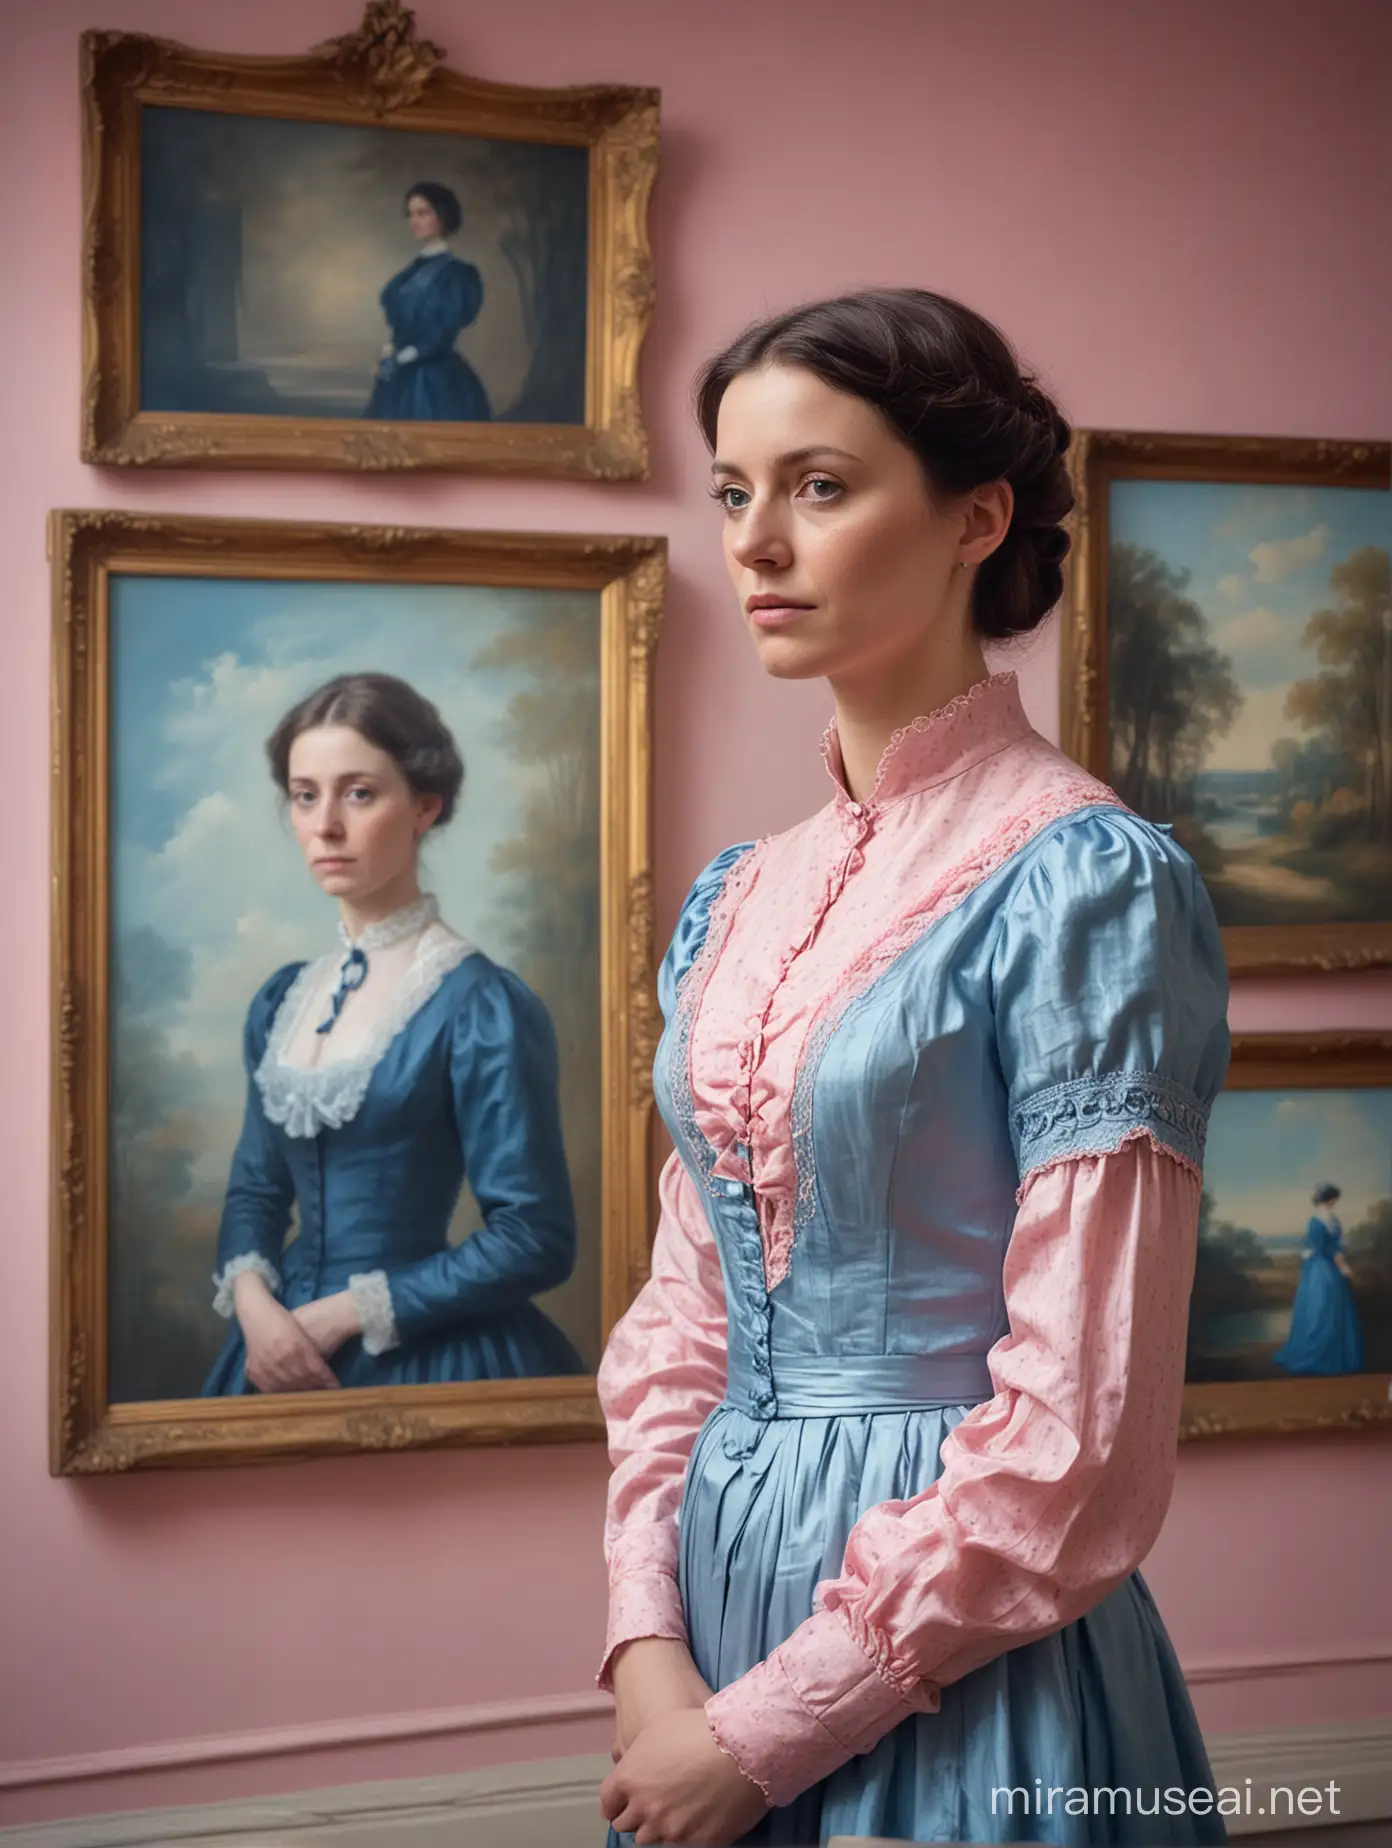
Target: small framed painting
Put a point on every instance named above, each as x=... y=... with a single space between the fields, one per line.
x=359 y=259
x=1227 y=667
x=1290 y=1324
x=352 y=992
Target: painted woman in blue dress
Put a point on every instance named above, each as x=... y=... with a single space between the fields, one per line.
x=1325 y=1336
x=894 y=1419
x=428 y=305
x=379 y=1077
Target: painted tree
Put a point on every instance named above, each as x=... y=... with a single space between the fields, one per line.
x=547 y=909
x=1348 y=703
x=1171 y=691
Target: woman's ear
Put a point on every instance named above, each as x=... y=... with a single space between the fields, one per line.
x=428 y=812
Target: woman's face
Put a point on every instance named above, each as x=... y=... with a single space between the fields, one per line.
x=358 y=821
x=424 y=220
x=842 y=562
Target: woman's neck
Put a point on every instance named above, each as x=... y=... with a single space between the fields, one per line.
x=358 y=914
x=871 y=709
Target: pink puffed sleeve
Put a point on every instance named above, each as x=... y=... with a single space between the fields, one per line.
x=662 y=1373
x=1051 y=1492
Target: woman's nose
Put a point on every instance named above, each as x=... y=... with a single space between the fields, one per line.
x=760 y=541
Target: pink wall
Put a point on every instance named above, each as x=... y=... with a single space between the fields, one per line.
x=1180 y=211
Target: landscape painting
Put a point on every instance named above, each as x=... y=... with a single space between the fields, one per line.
x=1266 y=1244
x=1250 y=689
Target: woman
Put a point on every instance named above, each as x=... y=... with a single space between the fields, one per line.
x=427 y=305
x=1324 y=1333
x=380 y=1075
x=937 y=1066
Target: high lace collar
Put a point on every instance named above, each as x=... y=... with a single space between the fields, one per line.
x=394 y=927
x=938 y=745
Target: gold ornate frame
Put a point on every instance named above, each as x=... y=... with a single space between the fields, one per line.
x=1096 y=459
x=1280 y=1408
x=87 y=1434
x=383 y=73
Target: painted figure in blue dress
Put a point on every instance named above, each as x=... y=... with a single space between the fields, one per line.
x=1325 y=1336
x=379 y=1077
x=894 y=1419
x=428 y=305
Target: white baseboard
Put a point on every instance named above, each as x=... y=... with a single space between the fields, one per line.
x=551 y=1803
x=1357 y=1758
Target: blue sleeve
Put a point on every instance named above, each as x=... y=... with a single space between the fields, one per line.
x=693 y=923
x=260 y=1193
x=451 y=305
x=1110 y=993
x=504 y=1073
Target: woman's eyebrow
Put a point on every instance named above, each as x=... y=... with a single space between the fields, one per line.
x=791 y=459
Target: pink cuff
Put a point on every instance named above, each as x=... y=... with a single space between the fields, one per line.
x=647 y=1604
x=815 y=1702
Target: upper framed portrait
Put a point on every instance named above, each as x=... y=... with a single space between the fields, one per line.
x=1227 y=667
x=359 y=259
x=353 y=1004
x=1290 y=1320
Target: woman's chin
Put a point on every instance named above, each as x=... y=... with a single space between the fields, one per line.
x=792 y=657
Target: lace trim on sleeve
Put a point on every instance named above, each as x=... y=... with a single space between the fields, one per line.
x=371 y=1296
x=1095 y=1116
x=223 y=1300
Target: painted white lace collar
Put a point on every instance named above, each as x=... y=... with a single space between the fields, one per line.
x=305 y=1099
x=394 y=928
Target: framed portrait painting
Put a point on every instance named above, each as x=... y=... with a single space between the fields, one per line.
x=360 y=259
x=1290 y=1324
x=353 y=999
x=1227 y=667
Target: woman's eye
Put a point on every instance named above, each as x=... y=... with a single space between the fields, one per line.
x=732 y=498
x=822 y=487
x=361 y=794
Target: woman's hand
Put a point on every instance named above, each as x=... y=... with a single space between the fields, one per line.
x=280 y=1356
x=674 y=1785
x=329 y=1321
x=652 y=1675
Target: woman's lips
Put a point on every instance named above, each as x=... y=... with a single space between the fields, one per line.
x=777 y=615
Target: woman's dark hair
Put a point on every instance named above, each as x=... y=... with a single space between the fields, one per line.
x=949 y=385
x=441 y=201
x=1325 y=1192
x=391 y=715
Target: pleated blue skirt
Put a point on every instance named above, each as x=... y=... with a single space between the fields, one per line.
x=1098 y=1706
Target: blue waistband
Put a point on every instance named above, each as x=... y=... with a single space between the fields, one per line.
x=843 y=1385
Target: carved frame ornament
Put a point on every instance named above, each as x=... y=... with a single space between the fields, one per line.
x=382 y=73
x=90 y=1436
x=1096 y=459
x=1291 y=1406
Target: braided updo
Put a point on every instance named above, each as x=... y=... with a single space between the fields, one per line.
x=394 y=718
x=949 y=385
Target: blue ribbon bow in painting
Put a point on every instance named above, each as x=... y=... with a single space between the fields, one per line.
x=352 y=973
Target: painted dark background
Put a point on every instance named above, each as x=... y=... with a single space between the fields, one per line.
x=265 y=245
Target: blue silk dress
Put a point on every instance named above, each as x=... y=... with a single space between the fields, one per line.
x=370 y=1155
x=428 y=305
x=1076 y=996
x=1325 y=1336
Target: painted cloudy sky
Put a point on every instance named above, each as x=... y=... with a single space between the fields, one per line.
x=1268 y=1150
x=1260 y=559
x=202 y=853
